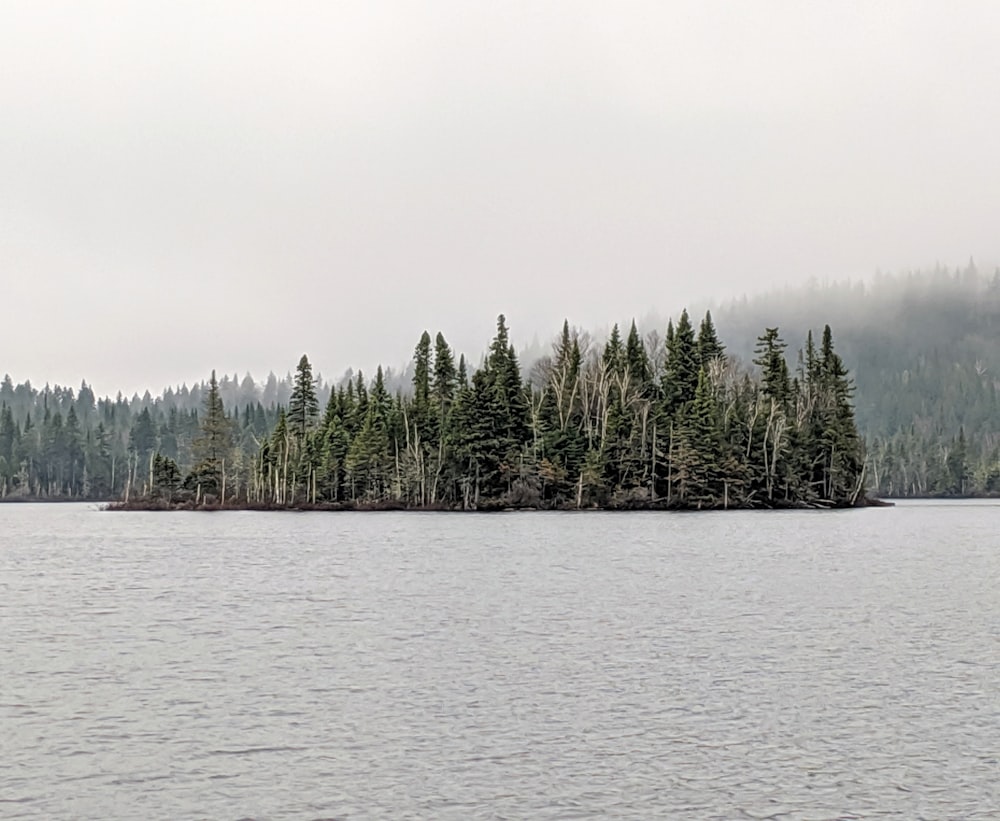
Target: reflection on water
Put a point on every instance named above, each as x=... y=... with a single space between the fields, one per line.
x=737 y=665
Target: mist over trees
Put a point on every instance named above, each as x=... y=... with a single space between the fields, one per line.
x=923 y=349
x=669 y=422
x=592 y=421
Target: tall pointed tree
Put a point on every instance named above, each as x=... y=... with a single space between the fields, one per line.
x=213 y=445
x=770 y=357
x=303 y=407
x=709 y=347
x=680 y=379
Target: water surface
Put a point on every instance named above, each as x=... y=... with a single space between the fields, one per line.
x=533 y=665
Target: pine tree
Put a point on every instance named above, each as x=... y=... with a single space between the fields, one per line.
x=73 y=439
x=166 y=478
x=100 y=464
x=680 y=379
x=770 y=356
x=142 y=437
x=445 y=376
x=842 y=446
x=709 y=347
x=637 y=360
x=421 y=404
x=506 y=407
x=303 y=407
x=212 y=447
x=333 y=458
x=368 y=456
x=614 y=353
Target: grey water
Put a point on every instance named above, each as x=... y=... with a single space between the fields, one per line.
x=784 y=665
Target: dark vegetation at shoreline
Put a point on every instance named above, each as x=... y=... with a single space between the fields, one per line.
x=924 y=353
x=635 y=424
x=923 y=350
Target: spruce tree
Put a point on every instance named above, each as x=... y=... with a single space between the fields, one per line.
x=213 y=445
x=843 y=447
x=709 y=347
x=680 y=380
x=421 y=404
x=445 y=380
x=614 y=353
x=639 y=366
x=770 y=357
x=303 y=407
x=700 y=453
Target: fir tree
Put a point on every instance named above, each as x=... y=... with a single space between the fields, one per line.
x=614 y=353
x=709 y=347
x=770 y=357
x=639 y=366
x=213 y=445
x=680 y=379
x=303 y=407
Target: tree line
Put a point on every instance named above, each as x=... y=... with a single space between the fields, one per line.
x=924 y=351
x=57 y=443
x=923 y=347
x=635 y=423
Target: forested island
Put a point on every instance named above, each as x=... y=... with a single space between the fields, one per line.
x=632 y=424
x=613 y=427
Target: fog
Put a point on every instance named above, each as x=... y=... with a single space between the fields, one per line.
x=188 y=186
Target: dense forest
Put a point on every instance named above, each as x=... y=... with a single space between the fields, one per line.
x=632 y=423
x=923 y=349
x=598 y=420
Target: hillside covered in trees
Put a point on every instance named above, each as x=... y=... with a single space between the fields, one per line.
x=924 y=353
x=631 y=424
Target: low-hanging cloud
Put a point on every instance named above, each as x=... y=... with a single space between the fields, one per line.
x=197 y=185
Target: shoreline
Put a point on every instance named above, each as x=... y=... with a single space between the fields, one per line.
x=159 y=506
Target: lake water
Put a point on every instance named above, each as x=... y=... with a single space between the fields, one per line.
x=530 y=665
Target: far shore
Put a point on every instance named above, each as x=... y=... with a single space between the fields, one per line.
x=159 y=505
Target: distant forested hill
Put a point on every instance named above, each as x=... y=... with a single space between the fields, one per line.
x=923 y=350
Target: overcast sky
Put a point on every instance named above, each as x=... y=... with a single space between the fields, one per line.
x=196 y=185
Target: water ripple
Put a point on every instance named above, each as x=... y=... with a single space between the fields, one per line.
x=264 y=666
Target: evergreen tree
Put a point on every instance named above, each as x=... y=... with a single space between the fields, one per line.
x=614 y=353
x=73 y=439
x=445 y=376
x=709 y=347
x=303 y=407
x=368 y=456
x=700 y=454
x=844 y=454
x=770 y=357
x=590 y=427
x=680 y=379
x=142 y=437
x=166 y=478
x=639 y=366
x=421 y=404
x=213 y=445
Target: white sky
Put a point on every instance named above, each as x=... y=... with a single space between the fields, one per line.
x=196 y=185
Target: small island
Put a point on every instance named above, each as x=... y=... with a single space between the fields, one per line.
x=633 y=425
